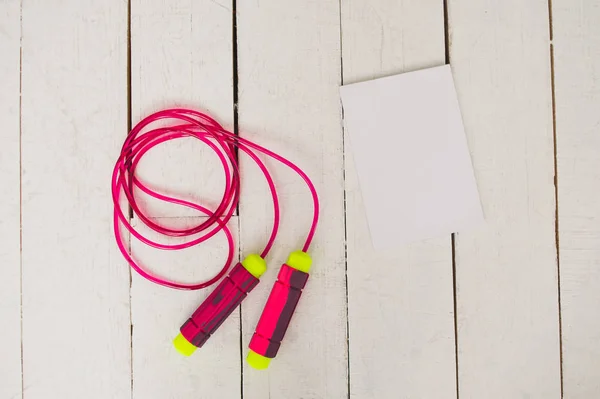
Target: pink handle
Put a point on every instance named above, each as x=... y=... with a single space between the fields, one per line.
x=215 y=309
x=278 y=311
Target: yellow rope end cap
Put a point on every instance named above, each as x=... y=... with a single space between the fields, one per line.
x=300 y=260
x=258 y=362
x=255 y=265
x=183 y=346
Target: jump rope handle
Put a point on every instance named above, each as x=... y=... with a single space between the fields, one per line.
x=219 y=304
x=278 y=311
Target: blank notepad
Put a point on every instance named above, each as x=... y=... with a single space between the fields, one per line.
x=408 y=142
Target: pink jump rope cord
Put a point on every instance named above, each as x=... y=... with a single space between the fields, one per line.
x=223 y=143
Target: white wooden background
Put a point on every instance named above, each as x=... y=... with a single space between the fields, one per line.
x=512 y=311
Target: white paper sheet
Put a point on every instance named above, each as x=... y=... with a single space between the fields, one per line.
x=410 y=151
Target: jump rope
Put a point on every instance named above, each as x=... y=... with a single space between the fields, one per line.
x=244 y=276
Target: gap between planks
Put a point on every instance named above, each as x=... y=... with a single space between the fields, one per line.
x=21 y=188
x=556 y=220
x=130 y=213
x=447 y=43
x=234 y=57
x=345 y=205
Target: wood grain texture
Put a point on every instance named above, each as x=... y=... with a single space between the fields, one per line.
x=74 y=117
x=10 y=210
x=159 y=370
x=508 y=331
x=577 y=90
x=289 y=74
x=401 y=325
x=181 y=56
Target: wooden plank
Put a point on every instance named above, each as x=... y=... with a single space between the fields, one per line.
x=158 y=312
x=181 y=55
x=577 y=83
x=10 y=207
x=289 y=74
x=506 y=273
x=76 y=340
x=401 y=325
